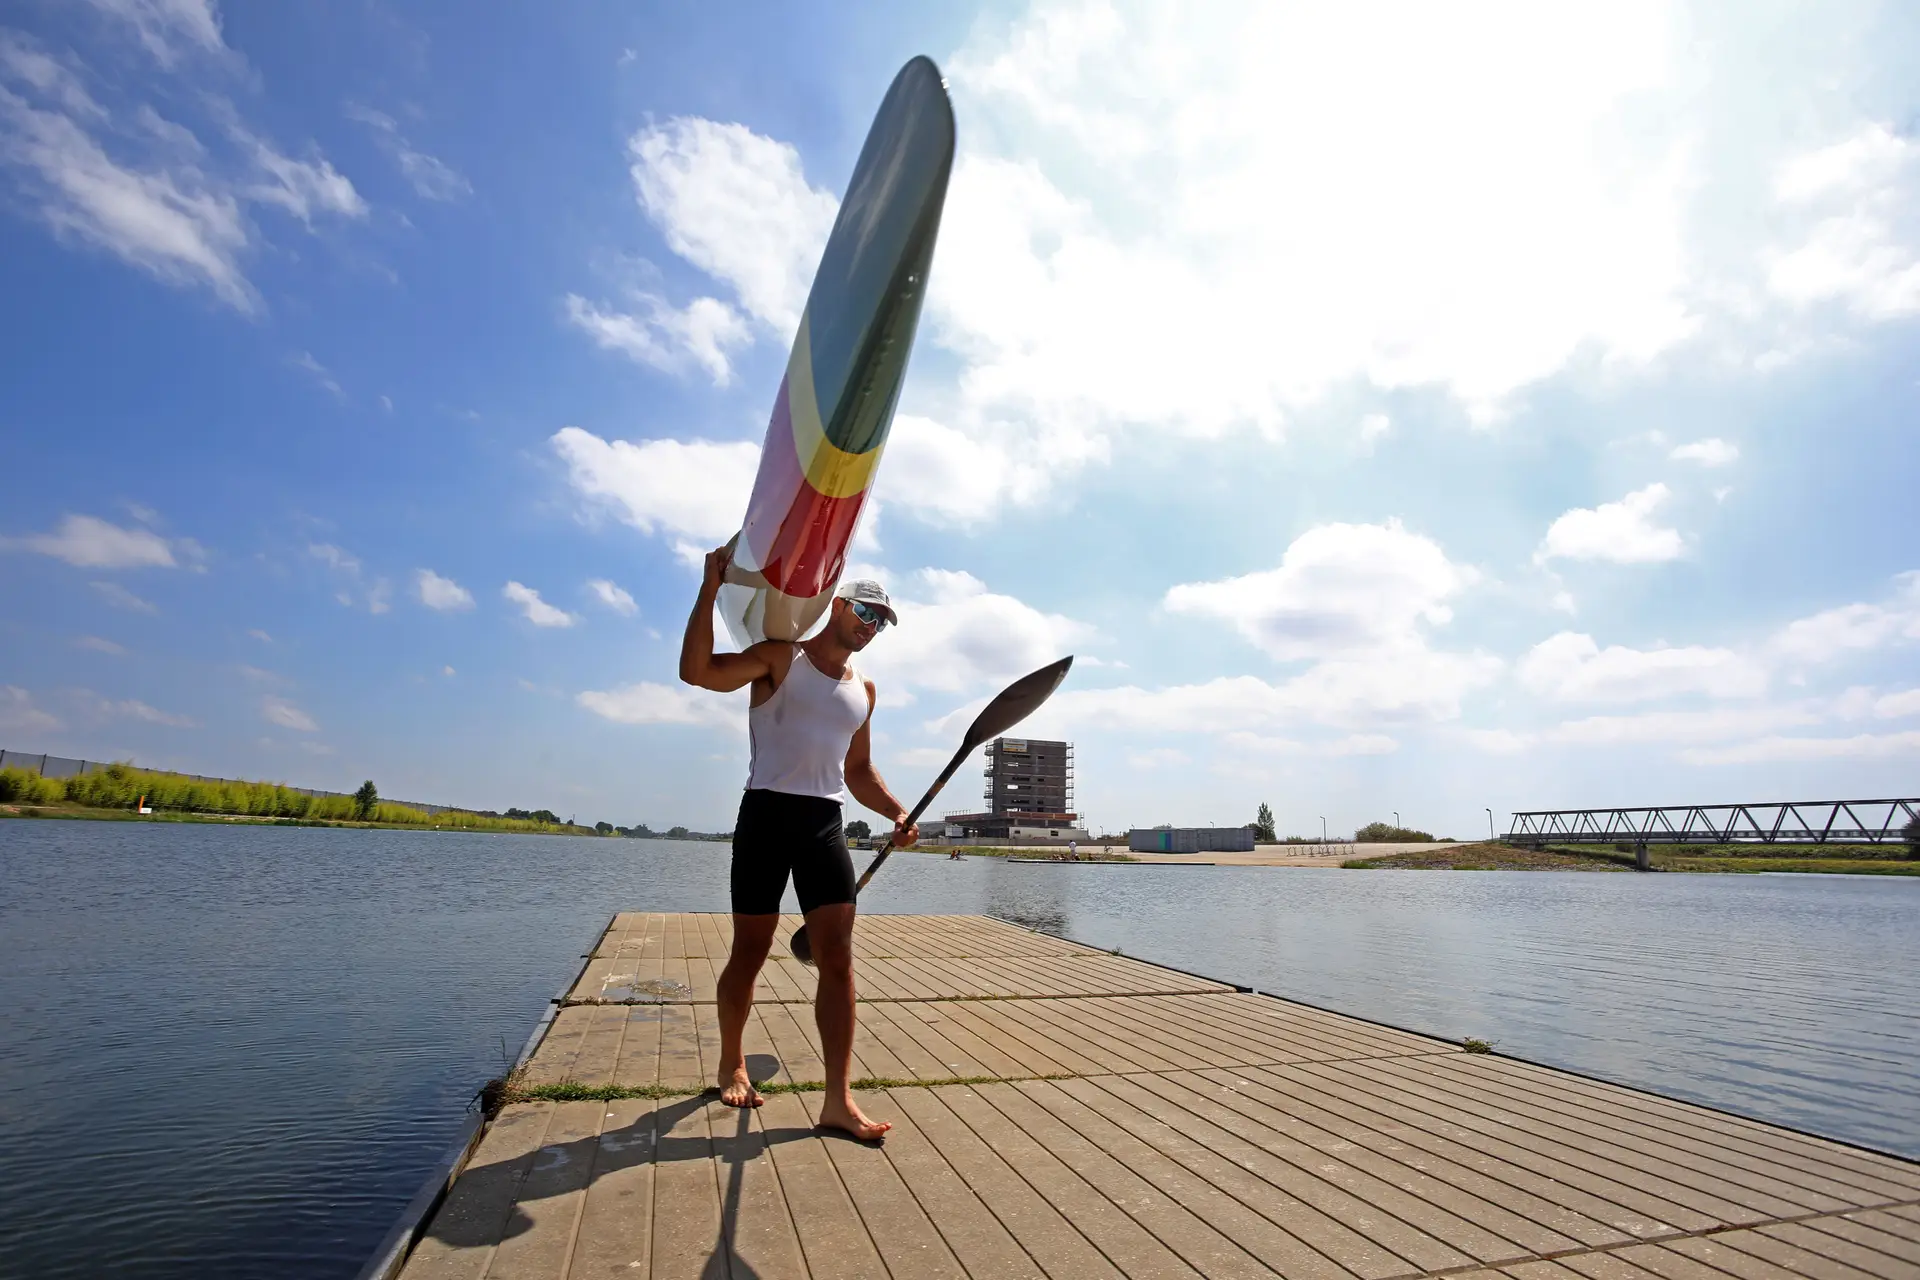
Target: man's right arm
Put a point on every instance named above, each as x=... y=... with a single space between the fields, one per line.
x=699 y=664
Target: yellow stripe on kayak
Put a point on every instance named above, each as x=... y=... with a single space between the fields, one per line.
x=828 y=468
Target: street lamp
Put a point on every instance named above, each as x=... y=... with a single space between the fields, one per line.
x=1396 y=817
x=1490 y=834
x=1323 y=828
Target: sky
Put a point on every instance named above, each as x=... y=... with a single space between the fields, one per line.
x=1396 y=409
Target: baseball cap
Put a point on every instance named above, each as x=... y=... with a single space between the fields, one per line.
x=867 y=591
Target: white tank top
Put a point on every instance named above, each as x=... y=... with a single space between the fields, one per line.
x=800 y=735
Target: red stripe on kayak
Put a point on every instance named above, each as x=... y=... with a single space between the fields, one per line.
x=797 y=535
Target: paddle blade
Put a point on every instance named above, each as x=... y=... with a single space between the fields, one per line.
x=1016 y=702
x=802 y=947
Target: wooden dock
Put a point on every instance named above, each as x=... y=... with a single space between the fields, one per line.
x=1104 y=1117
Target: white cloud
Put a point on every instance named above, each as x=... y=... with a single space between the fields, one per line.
x=1353 y=744
x=613 y=596
x=148 y=189
x=955 y=635
x=1623 y=532
x=300 y=187
x=736 y=205
x=1863 y=194
x=1153 y=758
x=1373 y=428
x=257 y=634
x=1384 y=686
x=647 y=703
x=1854 y=628
x=100 y=645
x=1892 y=706
x=1309 y=210
x=288 y=716
x=430 y=177
x=92 y=543
x=1339 y=587
x=121 y=598
x=704 y=332
x=1356 y=600
x=954 y=476
x=1570 y=667
x=335 y=558
x=17 y=712
x=1679 y=728
x=441 y=593
x=320 y=372
x=537 y=611
x=694 y=492
x=134 y=709
x=1769 y=750
x=1263 y=173
x=446 y=671
x=1711 y=452
x=170 y=30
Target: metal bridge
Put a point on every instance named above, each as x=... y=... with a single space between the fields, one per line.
x=1789 y=822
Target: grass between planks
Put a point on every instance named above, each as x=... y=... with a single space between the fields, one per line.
x=507 y=1091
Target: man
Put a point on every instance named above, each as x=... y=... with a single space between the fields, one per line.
x=810 y=718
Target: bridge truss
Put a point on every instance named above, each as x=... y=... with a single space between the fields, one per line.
x=1785 y=822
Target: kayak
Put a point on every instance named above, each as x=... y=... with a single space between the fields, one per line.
x=836 y=401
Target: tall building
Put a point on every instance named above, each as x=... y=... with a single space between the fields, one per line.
x=1029 y=793
x=1028 y=775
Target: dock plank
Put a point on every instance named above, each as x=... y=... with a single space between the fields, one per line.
x=1082 y=1113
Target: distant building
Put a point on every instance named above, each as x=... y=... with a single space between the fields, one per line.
x=1190 y=840
x=1029 y=794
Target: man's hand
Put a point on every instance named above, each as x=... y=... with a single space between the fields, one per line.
x=905 y=837
x=716 y=571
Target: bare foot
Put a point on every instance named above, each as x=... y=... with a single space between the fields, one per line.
x=847 y=1115
x=736 y=1089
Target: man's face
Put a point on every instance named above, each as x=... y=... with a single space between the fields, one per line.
x=852 y=632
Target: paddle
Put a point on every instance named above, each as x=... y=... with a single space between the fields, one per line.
x=1015 y=703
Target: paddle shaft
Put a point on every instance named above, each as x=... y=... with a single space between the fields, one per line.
x=959 y=757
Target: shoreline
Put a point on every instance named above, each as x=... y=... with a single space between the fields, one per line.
x=83 y=813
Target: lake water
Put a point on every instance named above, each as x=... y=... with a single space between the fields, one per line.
x=238 y=1052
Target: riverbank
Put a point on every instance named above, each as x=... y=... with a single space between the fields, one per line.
x=71 y=812
x=1885 y=860
x=1034 y=853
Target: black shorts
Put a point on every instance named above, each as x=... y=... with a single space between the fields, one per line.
x=778 y=833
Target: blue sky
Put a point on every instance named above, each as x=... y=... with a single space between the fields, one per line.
x=1395 y=413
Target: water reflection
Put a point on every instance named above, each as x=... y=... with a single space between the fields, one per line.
x=1032 y=897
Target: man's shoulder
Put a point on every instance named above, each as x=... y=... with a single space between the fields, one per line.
x=776 y=651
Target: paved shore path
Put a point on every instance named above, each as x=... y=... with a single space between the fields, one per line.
x=1106 y=1117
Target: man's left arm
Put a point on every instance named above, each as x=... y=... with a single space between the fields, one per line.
x=868 y=787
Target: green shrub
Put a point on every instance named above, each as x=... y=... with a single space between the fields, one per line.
x=26 y=786
x=122 y=786
x=1912 y=833
x=1387 y=833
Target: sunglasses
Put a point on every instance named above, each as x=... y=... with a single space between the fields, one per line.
x=869 y=615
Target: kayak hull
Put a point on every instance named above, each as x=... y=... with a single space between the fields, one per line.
x=835 y=405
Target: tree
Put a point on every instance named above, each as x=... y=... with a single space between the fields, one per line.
x=859 y=830
x=1263 y=826
x=365 y=799
x=676 y=833
x=604 y=828
x=1912 y=832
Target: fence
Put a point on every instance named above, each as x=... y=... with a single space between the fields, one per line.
x=67 y=767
